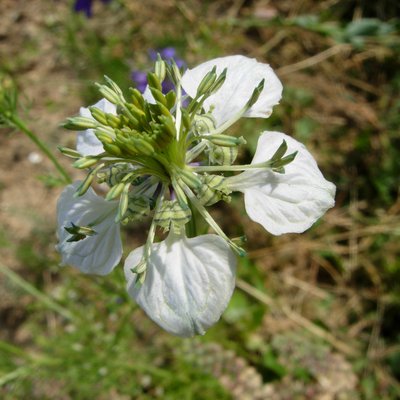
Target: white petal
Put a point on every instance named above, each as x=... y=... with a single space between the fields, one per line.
x=148 y=96
x=243 y=75
x=97 y=254
x=188 y=284
x=87 y=143
x=289 y=202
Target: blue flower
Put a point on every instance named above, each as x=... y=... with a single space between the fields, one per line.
x=85 y=6
x=167 y=53
x=140 y=79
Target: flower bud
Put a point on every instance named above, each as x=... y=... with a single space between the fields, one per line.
x=85 y=162
x=80 y=123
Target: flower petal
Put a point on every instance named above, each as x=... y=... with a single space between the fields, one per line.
x=243 y=76
x=87 y=143
x=289 y=202
x=97 y=254
x=188 y=284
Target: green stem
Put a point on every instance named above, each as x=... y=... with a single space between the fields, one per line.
x=42 y=146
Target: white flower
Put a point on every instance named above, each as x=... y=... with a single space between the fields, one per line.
x=243 y=76
x=288 y=202
x=188 y=283
x=167 y=158
x=87 y=143
x=97 y=254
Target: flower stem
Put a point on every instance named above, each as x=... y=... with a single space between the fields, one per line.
x=15 y=121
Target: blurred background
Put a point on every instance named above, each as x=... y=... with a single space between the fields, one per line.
x=314 y=315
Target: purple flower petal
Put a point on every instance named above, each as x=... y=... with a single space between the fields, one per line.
x=140 y=79
x=84 y=6
x=168 y=52
x=167 y=85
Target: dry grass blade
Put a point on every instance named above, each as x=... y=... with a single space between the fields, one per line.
x=297 y=318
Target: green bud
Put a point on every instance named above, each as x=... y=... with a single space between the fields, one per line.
x=140 y=268
x=130 y=112
x=105 y=132
x=256 y=94
x=225 y=140
x=170 y=97
x=158 y=96
x=159 y=68
x=85 y=185
x=173 y=72
x=112 y=149
x=79 y=123
x=113 y=120
x=69 y=152
x=98 y=115
x=109 y=94
x=79 y=232
x=187 y=122
x=143 y=146
x=219 y=82
x=136 y=112
x=280 y=152
x=168 y=125
x=124 y=143
x=115 y=191
x=123 y=203
x=114 y=86
x=207 y=82
x=137 y=98
x=154 y=81
x=85 y=162
x=279 y=164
